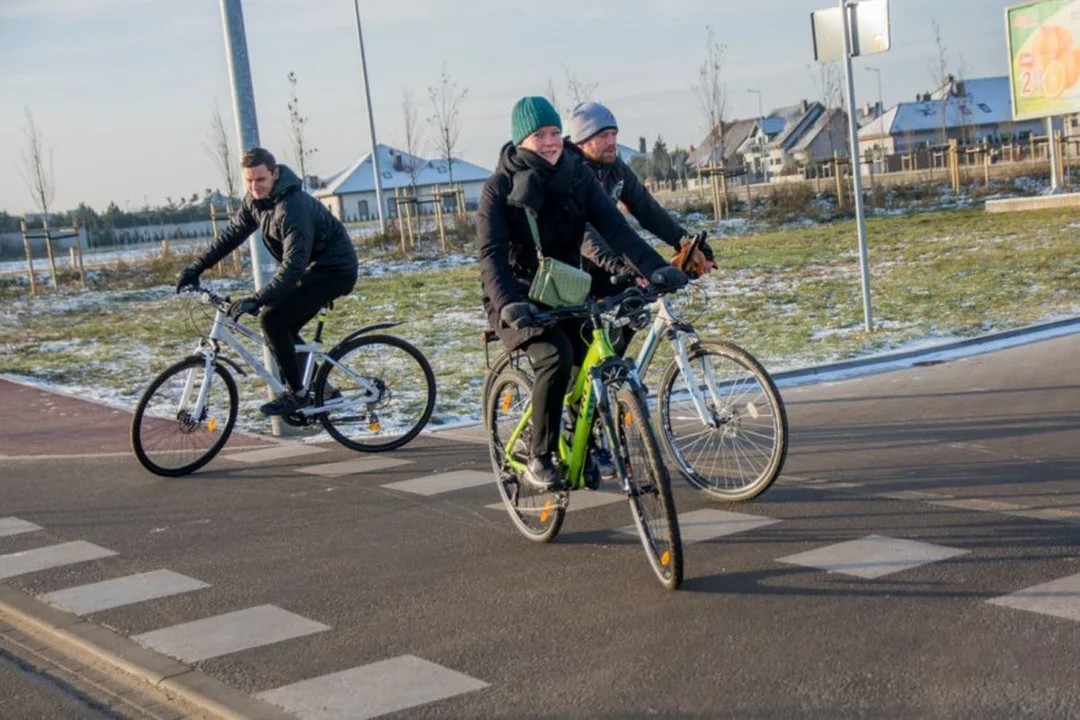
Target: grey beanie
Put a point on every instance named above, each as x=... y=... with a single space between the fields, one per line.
x=587 y=119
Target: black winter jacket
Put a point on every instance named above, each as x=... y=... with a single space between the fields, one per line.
x=564 y=197
x=297 y=230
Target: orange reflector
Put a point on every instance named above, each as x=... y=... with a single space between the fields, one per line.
x=374 y=427
x=212 y=425
x=507 y=398
x=627 y=419
x=665 y=559
x=546 y=512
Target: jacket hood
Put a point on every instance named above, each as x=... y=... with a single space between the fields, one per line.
x=287 y=181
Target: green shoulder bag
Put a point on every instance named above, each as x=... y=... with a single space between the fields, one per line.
x=556 y=284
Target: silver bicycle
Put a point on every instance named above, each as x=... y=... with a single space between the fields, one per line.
x=371 y=392
x=721 y=418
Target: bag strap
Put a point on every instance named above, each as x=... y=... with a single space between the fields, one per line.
x=531 y=216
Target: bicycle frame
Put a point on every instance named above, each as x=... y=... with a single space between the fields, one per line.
x=222 y=331
x=588 y=387
x=666 y=326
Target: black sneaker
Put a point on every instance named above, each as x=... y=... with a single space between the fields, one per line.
x=285 y=403
x=541 y=474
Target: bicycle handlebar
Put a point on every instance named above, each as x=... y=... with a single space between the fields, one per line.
x=646 y=296
x=209 y=297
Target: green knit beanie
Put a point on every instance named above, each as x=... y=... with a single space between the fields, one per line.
x=529 y=115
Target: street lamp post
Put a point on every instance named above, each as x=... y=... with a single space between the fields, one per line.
x=371 y=122
x=881 y=108
x=761 y=129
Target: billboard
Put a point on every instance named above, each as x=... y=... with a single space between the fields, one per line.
x=1044 y=58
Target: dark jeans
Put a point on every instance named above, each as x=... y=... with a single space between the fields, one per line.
x=554 y=355
x=281 y=322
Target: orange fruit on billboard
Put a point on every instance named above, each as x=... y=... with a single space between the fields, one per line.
x=1054 y=79
x=1072 y=67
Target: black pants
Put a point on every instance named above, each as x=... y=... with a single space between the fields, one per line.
x=554 y=355
x=281 y=322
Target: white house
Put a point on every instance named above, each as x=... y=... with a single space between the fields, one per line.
x=970 y=111
x=350 y=193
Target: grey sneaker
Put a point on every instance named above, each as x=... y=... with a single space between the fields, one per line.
x=541 y=474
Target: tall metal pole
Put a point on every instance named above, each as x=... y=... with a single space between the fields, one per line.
x=856 y=167
x=1052 y=145
x=761 y=126
x=371 y=122
x=247 y=131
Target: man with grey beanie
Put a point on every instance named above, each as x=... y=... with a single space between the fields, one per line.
x=594 y=130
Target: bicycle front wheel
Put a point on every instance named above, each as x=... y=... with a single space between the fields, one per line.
x=167 y=437
x=736 y=449
x=378 y=392
x=537 y=514
x=649 y=487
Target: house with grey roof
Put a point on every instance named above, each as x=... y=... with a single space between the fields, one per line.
x=350 y=193
x=970 y=111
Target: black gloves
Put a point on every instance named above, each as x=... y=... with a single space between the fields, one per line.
x=518 y=314
x=189 y=277
x=249 y=305
x=668 y=278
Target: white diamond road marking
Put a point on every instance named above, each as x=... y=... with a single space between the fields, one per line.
x=1060 y=598
x=872 y=556
x=50 y=556
x=703 y=525
x=85 y=599
x=15 y=526
x=372 y=690
x=228 y=633
x=443 y=482
x=581 y=500
x=353 y=467
x=475 y=433
x=281 y=452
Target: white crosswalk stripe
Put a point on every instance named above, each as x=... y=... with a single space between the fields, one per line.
x=50 y=556
x=353 y=467
x=228 y=633
x=281 y=452
x=442 y=482
x=872 y=556
x=15 y=526
x=372 y=690
x=1060 y=598
x=85 y=599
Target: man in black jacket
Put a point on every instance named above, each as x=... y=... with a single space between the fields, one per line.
x=592 y=127
x=535 y=177
x=316 y=263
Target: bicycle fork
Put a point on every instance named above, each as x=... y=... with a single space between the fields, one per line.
x=682 y=359
x=204 y=389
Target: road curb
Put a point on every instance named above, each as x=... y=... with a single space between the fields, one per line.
x=896 y=360
x=161 y=671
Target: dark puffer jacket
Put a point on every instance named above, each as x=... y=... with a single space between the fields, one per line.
x=297 y=230
x=564 y=197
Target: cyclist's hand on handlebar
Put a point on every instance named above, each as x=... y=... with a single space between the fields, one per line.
x=668 y=278
x=189 y=278
x=518 y=314
x=244 y=305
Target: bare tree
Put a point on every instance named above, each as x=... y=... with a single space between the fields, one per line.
x=39 y=181
x=552 y=95
x=217 y=149
x=711 y=94
x=938 y=67
x=302 y=151
x=413 y=137
x=580 y=90
x=832 y=96
x=446 y=101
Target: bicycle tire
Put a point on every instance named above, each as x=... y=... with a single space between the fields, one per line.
x=651 y=501
x=340 y=425
x=743 y=456
x=157 y=421
x=538 y=515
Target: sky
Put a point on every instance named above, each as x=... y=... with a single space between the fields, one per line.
x=123 y=91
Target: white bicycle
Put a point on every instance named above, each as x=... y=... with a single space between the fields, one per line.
x=721 y=418
x=371 y=392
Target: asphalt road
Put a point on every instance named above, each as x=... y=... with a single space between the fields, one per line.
x=918 y=558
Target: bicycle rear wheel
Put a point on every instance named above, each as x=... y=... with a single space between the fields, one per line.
x=649 y=486
x=378 y=392
x=537 y=514
x=165 y=436
x=738 y=450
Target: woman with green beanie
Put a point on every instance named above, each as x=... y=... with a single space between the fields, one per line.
x=536 y=173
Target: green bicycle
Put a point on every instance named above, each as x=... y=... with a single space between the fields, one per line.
x=610 y=404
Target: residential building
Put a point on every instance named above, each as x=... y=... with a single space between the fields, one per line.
x=350 y=193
